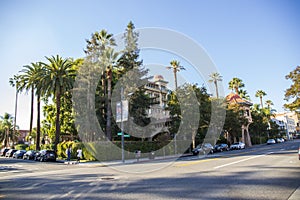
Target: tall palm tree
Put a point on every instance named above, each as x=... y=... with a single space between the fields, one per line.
x=175 y=65
x=109 y=59
x=31 y=80
x=58 y=78
x=15 y=82
x=235 y=84
x=269 y=103
x=215 y=77
x=260 y=94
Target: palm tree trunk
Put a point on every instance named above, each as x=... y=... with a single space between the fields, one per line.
x=16 y=108
x=217 y=92
x=109 y=113
x=38 y=128
x=261 y=103
x=175 y=77
x=31 y=110
x=57 y=124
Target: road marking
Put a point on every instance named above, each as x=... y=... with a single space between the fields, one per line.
x=239 y=161
x=194 y=162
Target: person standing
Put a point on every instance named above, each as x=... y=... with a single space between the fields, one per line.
x=79 y=154
x=68 y=152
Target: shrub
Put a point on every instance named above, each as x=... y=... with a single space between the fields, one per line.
x=21 y=146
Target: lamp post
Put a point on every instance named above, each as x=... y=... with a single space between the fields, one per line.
x=122 y=126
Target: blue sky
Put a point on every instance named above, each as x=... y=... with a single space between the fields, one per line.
x=255 y=40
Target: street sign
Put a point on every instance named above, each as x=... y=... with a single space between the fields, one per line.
x=122 y=111
x=125 y=135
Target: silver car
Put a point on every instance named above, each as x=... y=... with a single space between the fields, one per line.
x=237 y=145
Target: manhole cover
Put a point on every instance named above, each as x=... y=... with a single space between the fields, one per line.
x=107 y=178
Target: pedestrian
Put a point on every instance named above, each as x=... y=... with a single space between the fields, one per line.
x=79 y=155
x=68 y=152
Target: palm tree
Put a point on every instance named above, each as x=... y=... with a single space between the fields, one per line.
x=58 y=78
x=15 y=82
x=244 y=94
x=6 y=126
x=31 y=80
x=236 y=84
x=175 y=65
x=215 y=77
x=269 y=103
x=109 y=59
x=260 y=94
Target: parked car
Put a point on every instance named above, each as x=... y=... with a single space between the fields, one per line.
x=10 y=152
x=237 y=145
x=271 y=141
x=19 y=154
x=203 y=149
x=221 y=147
x=45 y=155
x=3 y=151
x=299 y=152
x=279 y=140
x=29 y=155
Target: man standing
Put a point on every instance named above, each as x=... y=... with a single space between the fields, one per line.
x=79 y=154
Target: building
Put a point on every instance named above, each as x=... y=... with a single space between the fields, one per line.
x=288 y=122
x=157 y=89
x=245 y=105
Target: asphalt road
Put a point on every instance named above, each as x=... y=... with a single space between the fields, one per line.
x=260 y=172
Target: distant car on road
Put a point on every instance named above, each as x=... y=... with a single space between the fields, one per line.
x=279 y=140
x=221 y=147
x=10 y=152
x=3 y=151
x=237 y=145
x=19 y=154
x=271 y=141
x=45 y=155
x=203 y=149
x=29 y=155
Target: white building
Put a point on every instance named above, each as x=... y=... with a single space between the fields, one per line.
x=287 y=121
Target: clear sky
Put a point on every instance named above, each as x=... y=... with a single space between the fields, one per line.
x=255 y=40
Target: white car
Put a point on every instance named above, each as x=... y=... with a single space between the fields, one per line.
x=271 y=141
x=237 y=145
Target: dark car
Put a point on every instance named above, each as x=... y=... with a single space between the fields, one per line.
x=29 y=155
x=3 y=151
x=19 y=154
x=203 y=149
x=46 y=155
x=10 y=152
x=221 y=147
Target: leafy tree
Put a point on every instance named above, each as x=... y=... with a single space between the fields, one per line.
x=260 y=94
x=215 y=77
x=293 y=93
x=235 y=84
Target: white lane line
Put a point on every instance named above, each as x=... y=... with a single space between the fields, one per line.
x=235 y=162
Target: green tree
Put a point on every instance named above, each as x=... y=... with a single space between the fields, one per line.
x=293 y=93
x=269 y=103
x=30 y=79
x=260 y=94
x=235 y=84
x=8 y=136
x=57 y=80
x=15 y=82
x=215 y=77
x=176 y=67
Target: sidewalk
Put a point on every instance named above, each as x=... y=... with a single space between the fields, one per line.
x=295 y=195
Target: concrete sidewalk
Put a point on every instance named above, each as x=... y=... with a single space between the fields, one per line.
x=295 y=195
